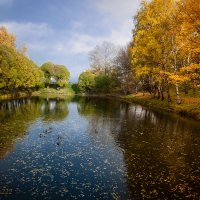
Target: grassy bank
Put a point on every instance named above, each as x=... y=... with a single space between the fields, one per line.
x=45 y=92
x=189 y=107
x=51 y=92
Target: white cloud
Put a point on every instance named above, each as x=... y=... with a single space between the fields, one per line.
x=42 y=37
x=118 y=18
x=35 y=35
x=28 y=29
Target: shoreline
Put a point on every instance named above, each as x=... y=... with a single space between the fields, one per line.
x=186 y=109
x=183 y=109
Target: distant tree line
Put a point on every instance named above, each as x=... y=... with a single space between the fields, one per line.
x=19 y=73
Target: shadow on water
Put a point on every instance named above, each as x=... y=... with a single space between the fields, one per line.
x=161 y=150
x=93 y=148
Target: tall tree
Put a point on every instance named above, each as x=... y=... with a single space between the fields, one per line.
x=124 y=70
x=157 y=49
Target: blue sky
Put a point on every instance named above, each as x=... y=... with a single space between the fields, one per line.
x=64 y=31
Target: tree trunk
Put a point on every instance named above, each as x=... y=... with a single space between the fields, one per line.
x=150 y=83
x=155 y=90
x=136 y=89
x=162 y=94
x=186 y=88
x=188 y=64
x=174 y=49
x=159 y=90
x=142 y=87
x=177 y=94
x=168 y=94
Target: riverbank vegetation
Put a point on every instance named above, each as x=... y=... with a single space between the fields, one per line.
x=53 y=92
x=189 y=106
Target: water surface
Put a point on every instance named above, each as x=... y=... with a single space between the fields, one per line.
x=90 y=148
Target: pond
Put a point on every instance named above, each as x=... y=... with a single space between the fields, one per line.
x=95 y=148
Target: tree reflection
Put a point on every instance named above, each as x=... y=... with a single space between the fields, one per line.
x=17 y=115
x=101 y=114
x=55 y=109
x=156 y=151
x=95 y=106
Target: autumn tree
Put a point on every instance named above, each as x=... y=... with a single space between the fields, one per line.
x=189 y=40
x=157 y=53
x=151 y=45
x=17 y=71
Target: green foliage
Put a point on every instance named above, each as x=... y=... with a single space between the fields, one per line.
x=59 y=73
x=90 y=82
x=75 y=88
x=52 y=92
x=86 y=81
x=104 y=83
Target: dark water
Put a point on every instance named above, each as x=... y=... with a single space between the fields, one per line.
x=89 y=148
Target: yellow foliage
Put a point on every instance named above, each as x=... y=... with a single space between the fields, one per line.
x=174 y=78
x=142 y=71
x=6 y=38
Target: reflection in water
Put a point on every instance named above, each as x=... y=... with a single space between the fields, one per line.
x=90 y=148
x=17 y=115
x=55 y=110
x=161 y=156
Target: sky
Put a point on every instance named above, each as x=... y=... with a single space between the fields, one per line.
x=64 y=31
